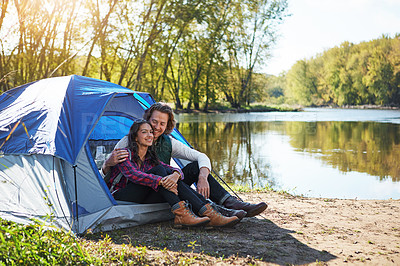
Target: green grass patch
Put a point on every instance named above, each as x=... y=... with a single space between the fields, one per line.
x=37 y=245
x=246 y=188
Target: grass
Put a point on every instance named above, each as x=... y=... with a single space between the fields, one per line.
x=247 y=189
x=36 y=245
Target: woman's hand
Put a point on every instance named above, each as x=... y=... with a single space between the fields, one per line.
x=170 y=182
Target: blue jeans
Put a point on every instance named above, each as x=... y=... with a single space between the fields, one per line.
x=217 y=193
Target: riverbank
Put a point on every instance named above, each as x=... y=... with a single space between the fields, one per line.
x=293 y=230
x=284 y=108
x=365 y=106
x=373 y=107
x=255 y=108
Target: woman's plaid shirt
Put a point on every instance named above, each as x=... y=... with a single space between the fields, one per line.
x=132 y=172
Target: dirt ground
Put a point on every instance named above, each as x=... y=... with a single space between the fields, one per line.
x=293 y=230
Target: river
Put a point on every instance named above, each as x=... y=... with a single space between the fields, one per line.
x=320 y=152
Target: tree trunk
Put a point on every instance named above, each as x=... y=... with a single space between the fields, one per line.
x=99 y=31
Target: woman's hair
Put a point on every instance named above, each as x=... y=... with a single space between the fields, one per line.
x=163 y=108
x=133 y=147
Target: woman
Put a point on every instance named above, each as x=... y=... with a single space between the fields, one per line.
x=145 y=179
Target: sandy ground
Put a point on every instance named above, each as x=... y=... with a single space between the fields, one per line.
x=293 y=230
x=335 y=231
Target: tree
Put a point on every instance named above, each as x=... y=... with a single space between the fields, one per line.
x=300 y=84
x=379 y=77
x=255 y=24
x=100 y=25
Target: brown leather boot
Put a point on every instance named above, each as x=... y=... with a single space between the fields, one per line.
x=251 y=209
x=217 y=219
x=184 y=217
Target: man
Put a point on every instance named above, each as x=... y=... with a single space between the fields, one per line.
x=161 y=117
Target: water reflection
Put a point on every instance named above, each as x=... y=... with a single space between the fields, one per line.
x=285 y=154
x=230 y=148
x=365 y=147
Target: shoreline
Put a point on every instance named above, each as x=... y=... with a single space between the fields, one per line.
x=236 y=110
x=283 y=109
x=364 y=107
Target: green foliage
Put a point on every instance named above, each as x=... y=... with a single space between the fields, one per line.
x=36 y=245
x=193 y=53
x=299 y=84
x=366 y=73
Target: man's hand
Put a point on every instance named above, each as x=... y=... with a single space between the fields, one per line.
x=202 y=184
x=117 y=156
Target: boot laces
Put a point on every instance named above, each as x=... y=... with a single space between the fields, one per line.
x=214 y=210
x=189 y=210
x=218 y=207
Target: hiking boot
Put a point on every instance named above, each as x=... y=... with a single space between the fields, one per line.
x=251 y=209
x=217 y=219
x=228 y=212
x=184 y=217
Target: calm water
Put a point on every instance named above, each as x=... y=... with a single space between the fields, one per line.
x=333 y=153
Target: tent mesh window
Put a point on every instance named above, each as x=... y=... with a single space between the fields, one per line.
x=101 y=150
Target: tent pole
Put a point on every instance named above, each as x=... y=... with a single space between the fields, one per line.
x=226 y=184
x=76 y=200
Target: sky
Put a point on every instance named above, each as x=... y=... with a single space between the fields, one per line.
x=318 y=25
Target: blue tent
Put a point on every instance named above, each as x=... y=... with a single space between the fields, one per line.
x=54 y=135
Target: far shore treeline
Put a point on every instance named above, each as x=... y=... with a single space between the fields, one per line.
x=195 y=53
x=367 y=73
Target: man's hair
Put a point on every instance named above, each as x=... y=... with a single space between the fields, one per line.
x=163 y=108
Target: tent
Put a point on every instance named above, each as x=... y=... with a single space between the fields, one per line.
x=54 y=135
